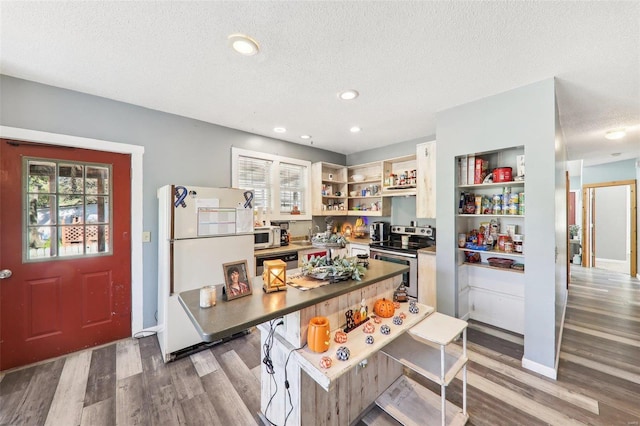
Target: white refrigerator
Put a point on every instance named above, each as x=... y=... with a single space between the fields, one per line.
x=200 y=229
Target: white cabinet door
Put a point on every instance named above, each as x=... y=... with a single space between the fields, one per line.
x=427 y=279
x=426 y=184
x=498 y=309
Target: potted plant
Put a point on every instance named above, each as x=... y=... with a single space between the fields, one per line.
x=574 y=232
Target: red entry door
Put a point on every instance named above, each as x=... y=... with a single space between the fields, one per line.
x=65 y=238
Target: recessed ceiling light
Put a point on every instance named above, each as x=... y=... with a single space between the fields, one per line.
x=355 y=129
x=616 y=154
x=279 y=129
x=305 y=137
x=243 y=44
x=615 y=134
x=348 y=95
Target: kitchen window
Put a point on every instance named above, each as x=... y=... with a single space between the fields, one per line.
x=280 y=184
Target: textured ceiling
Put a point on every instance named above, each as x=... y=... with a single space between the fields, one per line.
x=408 y=60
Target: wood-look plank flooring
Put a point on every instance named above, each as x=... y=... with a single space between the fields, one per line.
x=127 y=383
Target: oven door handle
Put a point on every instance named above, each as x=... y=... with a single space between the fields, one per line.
x=392 y=253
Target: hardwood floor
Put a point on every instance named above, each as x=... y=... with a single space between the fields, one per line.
x=127 y=383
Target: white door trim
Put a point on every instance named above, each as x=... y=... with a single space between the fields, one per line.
x=136 y=152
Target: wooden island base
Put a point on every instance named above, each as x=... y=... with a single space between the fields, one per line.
x=352 y=390
x=295 y=390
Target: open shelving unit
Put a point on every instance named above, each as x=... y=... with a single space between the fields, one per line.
x=329 y=186
x=487 y=293
x=424 y=350
x=367 y=197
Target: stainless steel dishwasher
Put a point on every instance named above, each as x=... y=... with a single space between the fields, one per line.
x=290 y=258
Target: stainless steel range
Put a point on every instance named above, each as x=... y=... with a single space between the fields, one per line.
x=402 y=247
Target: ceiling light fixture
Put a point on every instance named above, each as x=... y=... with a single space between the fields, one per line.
x=279 y=129
x=615 y=134
x=348 y=95
x=305 y=137
x=616 y=154
x=244 y=44
x=355 y=129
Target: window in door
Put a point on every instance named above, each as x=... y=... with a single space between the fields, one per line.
x=68 y=209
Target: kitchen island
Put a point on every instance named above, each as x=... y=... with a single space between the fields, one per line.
x=334 y=396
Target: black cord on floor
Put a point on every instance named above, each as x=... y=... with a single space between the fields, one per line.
x=268 y=362
x=286 y=384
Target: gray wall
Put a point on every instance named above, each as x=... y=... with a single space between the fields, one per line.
x=523 y=116
x=561 y=234
x=609 y=172
x=177 y=149
x=399 y=149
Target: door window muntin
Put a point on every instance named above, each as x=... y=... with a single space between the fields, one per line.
x=81 y=231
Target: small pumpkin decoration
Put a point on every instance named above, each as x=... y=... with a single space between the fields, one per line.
x=396 y=305
x=402 y=315
x=340 y=337
x=357 y=317
x=385 y=329
x=325 y=362
x=414 y=309
x=377 y=319
x=369 y=340
x=369 y=328
x=384 y=308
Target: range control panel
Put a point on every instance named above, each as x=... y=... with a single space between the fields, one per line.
x=422 y=231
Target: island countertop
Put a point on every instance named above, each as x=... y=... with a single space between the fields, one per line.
x=227 y=318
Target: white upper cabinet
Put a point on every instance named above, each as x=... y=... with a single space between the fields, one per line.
x=426 y=180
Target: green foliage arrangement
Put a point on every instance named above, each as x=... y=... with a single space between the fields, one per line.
x=339 y=268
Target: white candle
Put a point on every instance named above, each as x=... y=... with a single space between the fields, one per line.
x=205 y=297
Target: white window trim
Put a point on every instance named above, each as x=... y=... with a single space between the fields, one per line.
x=275 y=181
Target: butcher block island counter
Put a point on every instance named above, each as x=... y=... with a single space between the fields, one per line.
x=294 y=387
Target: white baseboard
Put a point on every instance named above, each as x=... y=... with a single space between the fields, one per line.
x=549 y=372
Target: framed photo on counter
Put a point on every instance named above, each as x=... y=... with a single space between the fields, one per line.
x=236 y=279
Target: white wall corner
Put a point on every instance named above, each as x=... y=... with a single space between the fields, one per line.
x=549 y=372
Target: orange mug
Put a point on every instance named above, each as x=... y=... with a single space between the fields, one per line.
x=318 y=334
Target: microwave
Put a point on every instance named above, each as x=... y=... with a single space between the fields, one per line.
x=266 y=237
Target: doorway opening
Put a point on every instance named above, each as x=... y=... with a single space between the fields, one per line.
x=609 y=234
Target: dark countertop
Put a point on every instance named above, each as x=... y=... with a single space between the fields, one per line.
x=230 y=317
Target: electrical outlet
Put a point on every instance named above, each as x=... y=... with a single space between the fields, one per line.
x=146 y=236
